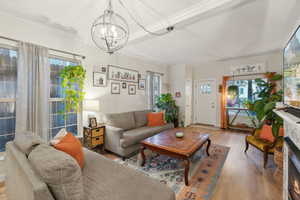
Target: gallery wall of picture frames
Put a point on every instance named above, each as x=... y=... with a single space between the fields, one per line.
x=119 y=78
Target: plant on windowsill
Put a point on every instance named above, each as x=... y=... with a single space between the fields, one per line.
x=166 y=103
x=73 y=82
x=265 y=104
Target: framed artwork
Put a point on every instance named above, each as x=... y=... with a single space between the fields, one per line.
x=103 y=69
x=124 y=85
x=142 y=84
x=131 y=89
x=93 y=122
x=115 y=88
x=122 y=74
x=99 y=79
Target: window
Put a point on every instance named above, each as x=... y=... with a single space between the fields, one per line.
x=8 y=85
x=247 y=90
x=154 y=88
x=57 y=120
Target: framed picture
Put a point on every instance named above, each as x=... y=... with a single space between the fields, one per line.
x=115 y=88
x=142 y=84
x=131 y=89
x=93 y=122
x=99 y=79
x=124 y=85
x=103 y=69
x=178 y=94
x=122 y=74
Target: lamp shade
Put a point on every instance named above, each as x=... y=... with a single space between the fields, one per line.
x=91 y=105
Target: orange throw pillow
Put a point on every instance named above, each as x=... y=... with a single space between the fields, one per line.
x=266 y=133
x=156 y=119
x=72 y=146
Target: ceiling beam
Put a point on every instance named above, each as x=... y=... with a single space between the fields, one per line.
x=188 y=16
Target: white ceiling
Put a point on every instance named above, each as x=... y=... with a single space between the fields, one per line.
x=202 y=33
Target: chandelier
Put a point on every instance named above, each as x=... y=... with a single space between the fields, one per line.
x=110 y=31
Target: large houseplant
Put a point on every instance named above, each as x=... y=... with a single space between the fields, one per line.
x=266 y=102
x=166 y=103
x=73 y=82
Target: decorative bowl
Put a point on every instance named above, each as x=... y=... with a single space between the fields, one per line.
x=179 y=134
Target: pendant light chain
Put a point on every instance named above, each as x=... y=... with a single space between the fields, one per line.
x=168 y=29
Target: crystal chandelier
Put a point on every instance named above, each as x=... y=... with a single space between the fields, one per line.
x=110 y=31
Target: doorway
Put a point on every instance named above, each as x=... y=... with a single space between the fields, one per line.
x=205 y=102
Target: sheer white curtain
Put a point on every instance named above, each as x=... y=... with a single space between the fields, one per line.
x=32 y=106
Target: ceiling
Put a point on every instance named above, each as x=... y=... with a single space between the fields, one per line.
x=205 y=30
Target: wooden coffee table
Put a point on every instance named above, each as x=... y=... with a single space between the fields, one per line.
x=183 y=148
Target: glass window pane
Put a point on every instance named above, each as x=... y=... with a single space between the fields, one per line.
x=8 y=87
x=58 y=120
x=8 y=73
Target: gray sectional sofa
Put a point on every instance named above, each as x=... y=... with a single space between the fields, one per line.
x=100 y=179
x=124 y=131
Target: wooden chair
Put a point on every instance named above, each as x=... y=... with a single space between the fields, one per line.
x=265 y=146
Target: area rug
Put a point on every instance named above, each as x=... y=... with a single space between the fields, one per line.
x=204 y=171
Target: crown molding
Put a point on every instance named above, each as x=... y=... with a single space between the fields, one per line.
x=187 y=16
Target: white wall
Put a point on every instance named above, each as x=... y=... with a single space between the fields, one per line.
x=216 y=70
x=37 y=33
x=176 y=75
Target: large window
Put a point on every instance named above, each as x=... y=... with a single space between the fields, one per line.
x=8 y=85
x=247 y=91
x=153 y=88
x=70 y=121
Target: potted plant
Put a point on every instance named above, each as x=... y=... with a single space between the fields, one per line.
x=73 y=82
x=166 y=103
x=265 y=104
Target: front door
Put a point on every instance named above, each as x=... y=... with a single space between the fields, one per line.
x=205 y=102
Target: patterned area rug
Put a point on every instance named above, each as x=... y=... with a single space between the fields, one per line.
x=204 y=171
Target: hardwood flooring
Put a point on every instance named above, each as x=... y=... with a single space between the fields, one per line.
x=242 y=177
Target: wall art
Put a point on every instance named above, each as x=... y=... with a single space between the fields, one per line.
x=131 y=89
x=142 y=84
x=99 y=79
x=122 y=74
x=115 y=88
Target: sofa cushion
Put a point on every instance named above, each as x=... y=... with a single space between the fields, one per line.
x=120 y=120
x=59 y=171
x=141 y=118
x=107 y=180
x=72 y=146
x=134 y=136
x=156 y=119
x=27 y=141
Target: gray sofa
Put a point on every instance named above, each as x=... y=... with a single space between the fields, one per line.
x=124 y=131
x=103 y=179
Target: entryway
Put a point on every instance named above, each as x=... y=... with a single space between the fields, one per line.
x=205 y=102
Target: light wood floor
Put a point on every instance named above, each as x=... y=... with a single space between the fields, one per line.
x=243 y=177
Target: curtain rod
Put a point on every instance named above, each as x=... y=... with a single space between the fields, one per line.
x=162 y=74
x=60 y=51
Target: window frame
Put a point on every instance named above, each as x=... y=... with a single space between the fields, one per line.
x=51 y=100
